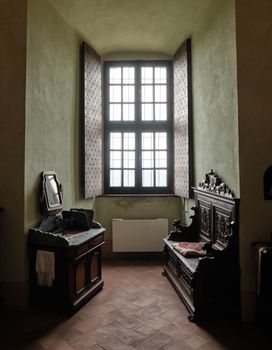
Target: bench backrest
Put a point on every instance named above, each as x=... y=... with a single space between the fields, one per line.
x=216 y=208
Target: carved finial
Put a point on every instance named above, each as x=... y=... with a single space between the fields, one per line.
x=213 y=183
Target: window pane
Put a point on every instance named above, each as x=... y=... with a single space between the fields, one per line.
x=115 y=111
x=160 y=75
x=160 y=93
x=147 y=140
x=129 y=140
x=115 y=75
x=160 y=140
x=161 y=159
x=147 y=159
x=160 y=111
x=147 y=93
x=161 y=178
x=147 y=178
x=147 y=111
x=128 y=75
x=129 y=178
x=115 y=140
x=115 y=178
x=128 y=93
x=115 y=159
x=147 y=75
x=129 y=159
x=128 y=112
x=115 y=93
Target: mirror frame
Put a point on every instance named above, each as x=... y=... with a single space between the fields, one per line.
x=47 y=207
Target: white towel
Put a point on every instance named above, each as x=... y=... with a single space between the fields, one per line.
x=45 y=267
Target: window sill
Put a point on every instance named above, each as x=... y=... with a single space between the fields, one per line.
x=139 y=195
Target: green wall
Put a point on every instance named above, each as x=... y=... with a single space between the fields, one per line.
x=139 y=26
x=108 y=208
x=52 y=126
x=12 y=139
x=215 y=120
x=52 y=109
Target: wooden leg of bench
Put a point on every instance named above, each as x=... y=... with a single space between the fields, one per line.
x=163 y=273
x=191 y=318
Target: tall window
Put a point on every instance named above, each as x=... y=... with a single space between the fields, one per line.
x=138 y=140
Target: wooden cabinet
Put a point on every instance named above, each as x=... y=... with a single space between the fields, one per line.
x=77 y=268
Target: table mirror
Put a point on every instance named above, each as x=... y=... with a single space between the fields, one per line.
x=52 y=193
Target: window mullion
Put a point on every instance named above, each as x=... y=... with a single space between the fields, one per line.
x=107 y=131
x=122 y=143
x=137 y=93
x=122 y=160
x=153 y=92
x=138 y=158
x=154 y=171
x=122 y=102
x=154 y=133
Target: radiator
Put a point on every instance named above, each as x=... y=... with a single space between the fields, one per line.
x=138 y=235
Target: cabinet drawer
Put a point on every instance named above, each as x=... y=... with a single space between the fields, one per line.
x=81 y=250
x=96 y=241
x=84 y=248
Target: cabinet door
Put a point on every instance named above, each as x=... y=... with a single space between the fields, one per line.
x=80 y=281
x=95 y=266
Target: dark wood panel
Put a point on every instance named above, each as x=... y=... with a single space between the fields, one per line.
x=80 y=272
x=209 y=286
x=204 y=209
x=95 y=266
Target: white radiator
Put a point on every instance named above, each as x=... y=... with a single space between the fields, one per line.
x=138 y=235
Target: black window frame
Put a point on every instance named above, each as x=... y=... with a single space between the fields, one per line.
x=138 y=126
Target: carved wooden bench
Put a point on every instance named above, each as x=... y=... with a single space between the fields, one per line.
x=209 y=286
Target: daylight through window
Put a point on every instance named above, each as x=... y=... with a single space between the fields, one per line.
x=138 y=142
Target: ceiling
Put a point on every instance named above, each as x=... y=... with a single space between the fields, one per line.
x=150 y=26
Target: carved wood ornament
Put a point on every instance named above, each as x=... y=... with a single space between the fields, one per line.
x=213 y=183
x=204 y=222
x=221 y=227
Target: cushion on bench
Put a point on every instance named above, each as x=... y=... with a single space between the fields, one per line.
x=190 y=249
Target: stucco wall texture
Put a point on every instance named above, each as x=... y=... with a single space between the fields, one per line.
x=52 y=123
x=52 y=107
x=215 y=118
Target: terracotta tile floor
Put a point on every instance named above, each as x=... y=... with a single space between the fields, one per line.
x=137 y=309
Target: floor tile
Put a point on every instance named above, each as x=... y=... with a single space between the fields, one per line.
x=137 y=309
x=154 y=342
